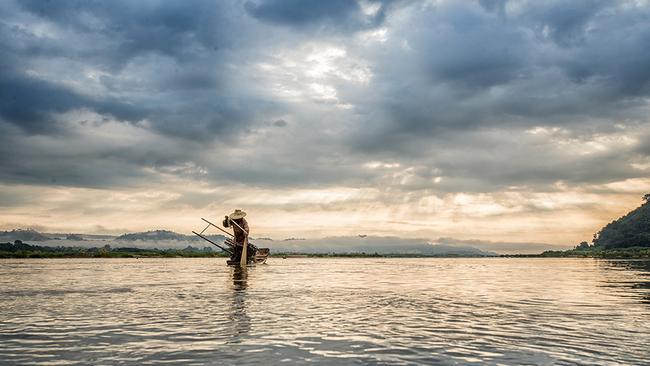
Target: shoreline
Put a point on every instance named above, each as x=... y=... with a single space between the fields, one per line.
x=22 y=250
x=351 y=256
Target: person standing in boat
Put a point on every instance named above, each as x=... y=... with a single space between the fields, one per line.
x=240 y=235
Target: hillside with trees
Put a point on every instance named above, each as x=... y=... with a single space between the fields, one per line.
x=23 y=235
x=165 y=235
x=631 y=230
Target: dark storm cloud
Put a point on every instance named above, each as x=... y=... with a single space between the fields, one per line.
x=280 y=123
x=565 y=22
x=338 y=15
x=115 y=39
x=90 y=151
x=494 y=5
x=577 y=66
x=29 y=104
x=470 y=48
x=128 y=29
x=451 y=92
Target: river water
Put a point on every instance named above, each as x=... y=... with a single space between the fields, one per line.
x=330 y=311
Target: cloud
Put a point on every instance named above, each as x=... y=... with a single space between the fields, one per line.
x=419 y=102
x=336 y=15
x=126 y=29
x=489 y=78
x=30 y=104
x=159 y=61
x=468 y=47
x=280 y=123
x=564 y=23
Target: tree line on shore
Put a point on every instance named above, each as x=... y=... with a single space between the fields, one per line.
x=18 y=249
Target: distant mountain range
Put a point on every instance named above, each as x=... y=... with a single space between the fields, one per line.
x=170 y=239
x=502 y=247
x=30 y=235
x=373 y=244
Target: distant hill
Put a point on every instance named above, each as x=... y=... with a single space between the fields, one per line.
x=502 y=247
x=23 y=235
x=371 y=245
x=164 y=235
x=74 y=237
x=155 y=235
x=631 y=230
x=334 y=245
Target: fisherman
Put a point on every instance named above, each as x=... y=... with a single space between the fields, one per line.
x=238 y=223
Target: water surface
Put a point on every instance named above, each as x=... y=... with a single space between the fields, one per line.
x=333 y=311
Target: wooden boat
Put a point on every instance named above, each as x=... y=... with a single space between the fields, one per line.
x=255 y=255
x=259 y=256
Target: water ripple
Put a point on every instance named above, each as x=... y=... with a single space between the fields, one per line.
x=333 y=311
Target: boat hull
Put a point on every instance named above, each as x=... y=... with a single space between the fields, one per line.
x=260 y=257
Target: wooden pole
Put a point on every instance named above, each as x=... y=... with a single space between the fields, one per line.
x=209 y=223
x=244 y=260
x=208 y=240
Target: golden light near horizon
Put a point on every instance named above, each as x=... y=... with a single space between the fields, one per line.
x=561 y=218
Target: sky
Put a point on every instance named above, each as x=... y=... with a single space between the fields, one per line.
x=491 y=120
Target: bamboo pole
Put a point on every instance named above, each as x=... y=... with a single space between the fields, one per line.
x=218 y=226
x=208 y=240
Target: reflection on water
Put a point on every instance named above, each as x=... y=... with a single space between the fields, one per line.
x=333 y=311
x=239 y=278
x=637 y=286
x=240 y=322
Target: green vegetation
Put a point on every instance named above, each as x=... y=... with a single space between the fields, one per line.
x=592 y=252
x=631 y=252
x=631 y=230
x=21 y=250
x=625 y=237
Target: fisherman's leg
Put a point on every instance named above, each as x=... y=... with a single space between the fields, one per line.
x=233 y=253
x=237 y=253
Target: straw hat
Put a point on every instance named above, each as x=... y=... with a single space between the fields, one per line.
x=238 y=214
